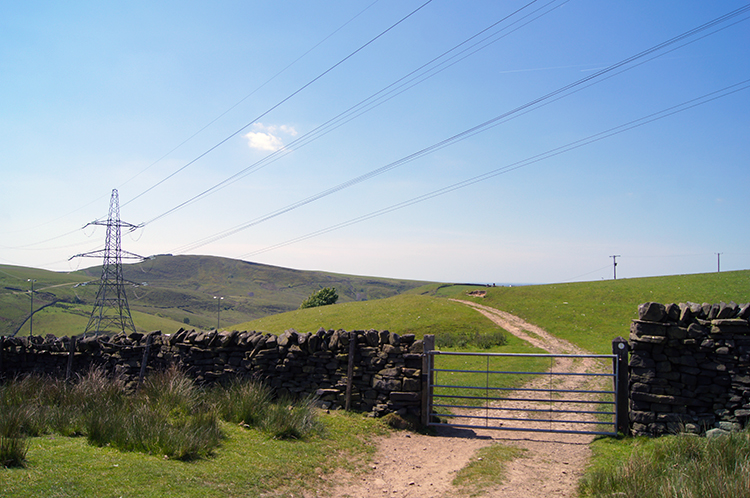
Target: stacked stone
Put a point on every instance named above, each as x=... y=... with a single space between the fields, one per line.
x=386 y=371
x=39 y=355
x=689 y=368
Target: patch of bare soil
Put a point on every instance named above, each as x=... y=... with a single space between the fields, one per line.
x=420 y=466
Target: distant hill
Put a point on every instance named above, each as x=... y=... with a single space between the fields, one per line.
x=176 y=290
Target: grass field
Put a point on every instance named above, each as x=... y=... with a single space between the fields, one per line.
x=171 y=438
x=591 y=314
x=248 y=463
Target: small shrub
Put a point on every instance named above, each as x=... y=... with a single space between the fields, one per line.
x=323 y=297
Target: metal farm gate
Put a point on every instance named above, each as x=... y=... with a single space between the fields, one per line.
x=487 y=391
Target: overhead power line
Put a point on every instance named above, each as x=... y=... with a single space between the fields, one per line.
x=236 y=104
x=617 y=68
x=415 y=77
x=269 y=80
x=704 y=99
x=282 y=101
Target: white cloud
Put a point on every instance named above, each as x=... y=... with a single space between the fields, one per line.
x=263 y=141
x=268 y=138
x=289 y=130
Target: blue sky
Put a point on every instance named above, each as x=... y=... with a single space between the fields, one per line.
x=164 y=100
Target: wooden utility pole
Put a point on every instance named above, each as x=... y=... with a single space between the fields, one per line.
x=718 y=262
x=614 y=264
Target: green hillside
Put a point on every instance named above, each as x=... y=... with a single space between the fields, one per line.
x=171 y=291
x=175 y=290
x=403 y=314
x=591 y=314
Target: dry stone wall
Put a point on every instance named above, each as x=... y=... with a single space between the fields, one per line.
x=689 y=368
x=385 y=367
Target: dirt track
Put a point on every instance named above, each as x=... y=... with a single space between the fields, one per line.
x=419 y=466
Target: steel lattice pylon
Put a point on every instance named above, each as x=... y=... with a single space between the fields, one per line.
x=111 y=311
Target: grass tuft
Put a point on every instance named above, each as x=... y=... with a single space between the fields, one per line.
x=169 y=416
x=671 y=466
x=13 y=451
x=289 y=419
x=242 y=402
x=486 y=468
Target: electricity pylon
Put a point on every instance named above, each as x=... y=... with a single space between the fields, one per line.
x=111 y=310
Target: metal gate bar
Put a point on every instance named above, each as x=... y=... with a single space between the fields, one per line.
x=531 y=410
x=553 y=402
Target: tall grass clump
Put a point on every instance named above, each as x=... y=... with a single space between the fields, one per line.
x=13 y=442
x=291 y=419
x=242 y=401
x=676 y=466
x=251 y=403
x=464 y=339
x=167 y=416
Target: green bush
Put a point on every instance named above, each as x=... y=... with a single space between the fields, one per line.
x=323 y=297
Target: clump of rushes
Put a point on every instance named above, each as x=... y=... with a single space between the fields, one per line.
x=13 y=443
x=251 y=403
x=166 y=417
x=169 y=415
x=242 y=401
x=289 y=419
x=676 y=466
x=463 y=339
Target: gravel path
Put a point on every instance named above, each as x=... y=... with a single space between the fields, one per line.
x=418 y=466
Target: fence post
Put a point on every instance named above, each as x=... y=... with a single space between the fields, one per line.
x=350 y=370
x=622 y=419
x=429 y=345
x=144 y=361
x=2 y=346
x=71 y=352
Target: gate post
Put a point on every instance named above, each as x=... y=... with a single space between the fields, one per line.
x=622 y=396
x=429 y=345
x=350 y=369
